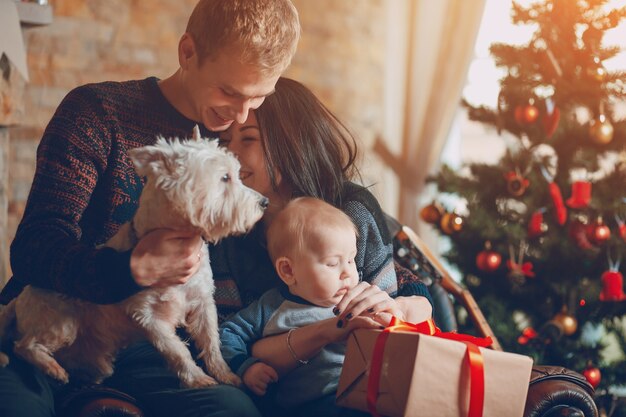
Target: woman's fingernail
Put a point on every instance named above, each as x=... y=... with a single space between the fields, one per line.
x=336 y=311
x=349 y=316
x=340 y=324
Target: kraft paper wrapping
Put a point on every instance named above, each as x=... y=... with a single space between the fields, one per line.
x=428 y=376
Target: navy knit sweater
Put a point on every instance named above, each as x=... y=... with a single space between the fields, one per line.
x=85 y=187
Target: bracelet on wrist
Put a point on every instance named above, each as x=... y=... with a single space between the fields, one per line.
x=295 y=357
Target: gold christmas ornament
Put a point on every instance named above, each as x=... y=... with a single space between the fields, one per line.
x=451 y=223
x=601 y=130
x=566 y=322
x=431 y=213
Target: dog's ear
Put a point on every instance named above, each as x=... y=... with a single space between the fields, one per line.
x=196 y=133
x=149 y=160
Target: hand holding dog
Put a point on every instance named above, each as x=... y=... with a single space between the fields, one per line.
x=166 y=257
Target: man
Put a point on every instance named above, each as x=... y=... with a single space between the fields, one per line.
x=85 y=188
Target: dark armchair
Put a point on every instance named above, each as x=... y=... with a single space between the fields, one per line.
x=553 y=391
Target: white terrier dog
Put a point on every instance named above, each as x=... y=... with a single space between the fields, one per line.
x=189 y=184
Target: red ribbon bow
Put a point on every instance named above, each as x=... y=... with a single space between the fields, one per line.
x=473 y=357
x=526 y=268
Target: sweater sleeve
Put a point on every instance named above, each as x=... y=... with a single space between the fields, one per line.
x=374 y=247
x=241 y=330
x=49 y=250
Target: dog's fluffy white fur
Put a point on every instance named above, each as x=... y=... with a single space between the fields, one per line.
x=189 y=184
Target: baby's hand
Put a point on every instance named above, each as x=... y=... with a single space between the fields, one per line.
x=258 y=376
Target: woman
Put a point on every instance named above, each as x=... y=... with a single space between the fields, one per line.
x=294 y=146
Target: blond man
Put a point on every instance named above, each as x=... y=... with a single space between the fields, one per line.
x=230 y=57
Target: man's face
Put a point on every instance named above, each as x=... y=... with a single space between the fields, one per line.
x=223 y=90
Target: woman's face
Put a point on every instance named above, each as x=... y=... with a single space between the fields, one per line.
x=244 y=140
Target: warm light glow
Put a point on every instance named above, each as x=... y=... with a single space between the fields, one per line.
x=483 y=85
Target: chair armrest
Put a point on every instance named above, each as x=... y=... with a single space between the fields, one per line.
x=98 y=401
x=556 y=391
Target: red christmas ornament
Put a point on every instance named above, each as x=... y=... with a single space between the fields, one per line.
x=527 y=335
x=593 y=375
x=550 y=122
x=488 y=260
x=516 y=184
x=581 y=195
x=526 y=115
x=621 y=227
x=536 y=225
x=598 y=232
x=612 y=286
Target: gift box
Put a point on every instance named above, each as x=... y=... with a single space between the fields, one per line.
x=422 y=375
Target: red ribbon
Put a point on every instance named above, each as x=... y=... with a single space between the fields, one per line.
x=526 y=268
x=557 y=199
x=473 y=357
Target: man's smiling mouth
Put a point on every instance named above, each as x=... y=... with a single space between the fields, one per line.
x=220 y=117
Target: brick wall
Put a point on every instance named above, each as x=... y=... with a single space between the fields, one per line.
x=340 y=57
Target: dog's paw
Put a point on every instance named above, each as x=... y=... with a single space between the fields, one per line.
x=200 y=381
x=4 y=360
x=230 y=379
x=57 y=372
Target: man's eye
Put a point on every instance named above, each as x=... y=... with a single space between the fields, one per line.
x=332 y=265
x=226 y=178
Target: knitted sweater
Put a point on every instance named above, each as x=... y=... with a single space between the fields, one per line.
x=274 y=313
x=85 y=187
x=243 y=271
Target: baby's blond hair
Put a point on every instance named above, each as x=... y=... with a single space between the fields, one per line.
x=302 y=220
x=266 y=32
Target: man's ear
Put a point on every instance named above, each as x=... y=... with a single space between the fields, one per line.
x=186 y=51
x=284 y=270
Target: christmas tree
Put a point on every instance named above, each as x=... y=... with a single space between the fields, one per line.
x=542 y=242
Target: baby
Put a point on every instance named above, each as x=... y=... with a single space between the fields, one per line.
x=312 y=246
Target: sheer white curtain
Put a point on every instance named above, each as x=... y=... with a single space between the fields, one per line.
x=429 y=49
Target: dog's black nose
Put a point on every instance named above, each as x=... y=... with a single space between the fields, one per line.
x=264 y=202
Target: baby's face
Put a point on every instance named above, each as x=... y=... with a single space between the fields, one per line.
x=326 y=270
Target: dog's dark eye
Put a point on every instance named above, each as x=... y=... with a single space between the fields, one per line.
x=226 y=178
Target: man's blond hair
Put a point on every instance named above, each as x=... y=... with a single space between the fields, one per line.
x=301 y=220
x=265 y=31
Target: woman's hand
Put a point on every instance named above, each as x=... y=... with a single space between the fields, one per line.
x=366 y=300
x=369 y=301
x=166 y=257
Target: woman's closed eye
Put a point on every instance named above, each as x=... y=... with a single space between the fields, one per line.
x=249 y=139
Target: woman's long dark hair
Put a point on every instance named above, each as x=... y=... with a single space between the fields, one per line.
x=304 y=141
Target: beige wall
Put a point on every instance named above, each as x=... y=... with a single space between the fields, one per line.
x=341 y=57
